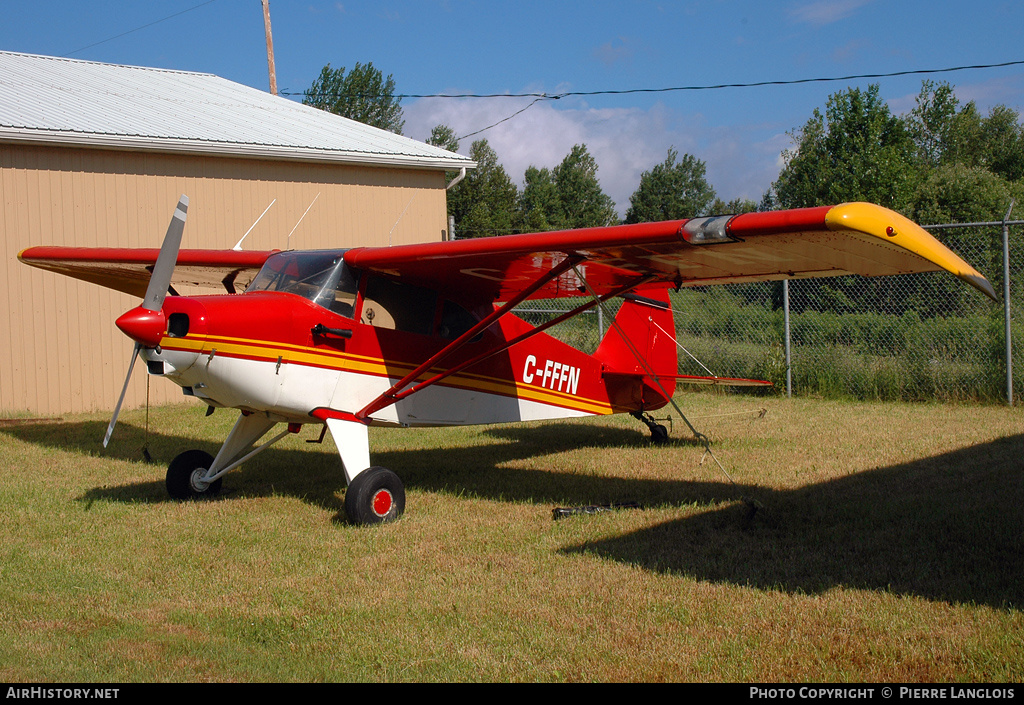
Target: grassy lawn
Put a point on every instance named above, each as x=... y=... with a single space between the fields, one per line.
x=889 y=546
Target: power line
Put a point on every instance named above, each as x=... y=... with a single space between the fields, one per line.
x=484 y=129
x=130 y=31
x=716 y=86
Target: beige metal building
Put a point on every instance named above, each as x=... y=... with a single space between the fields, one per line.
x=97 y=155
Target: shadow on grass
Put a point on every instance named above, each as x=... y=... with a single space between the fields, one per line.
x=948 y=527
x=315 y=473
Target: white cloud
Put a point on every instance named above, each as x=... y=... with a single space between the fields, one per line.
x=612 y=52
x=742 y=160
x=825 y=12
x=1003 y=90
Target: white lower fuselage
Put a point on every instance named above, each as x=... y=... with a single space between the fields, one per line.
x=291 y=391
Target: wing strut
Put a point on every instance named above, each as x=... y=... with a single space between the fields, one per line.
x=398 y=396
x=390 y=396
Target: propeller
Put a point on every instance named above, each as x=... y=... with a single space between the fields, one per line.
x=146 y=323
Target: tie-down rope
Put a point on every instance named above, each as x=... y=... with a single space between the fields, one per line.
x=680 y=346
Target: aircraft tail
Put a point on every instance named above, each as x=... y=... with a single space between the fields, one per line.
x=646 y=321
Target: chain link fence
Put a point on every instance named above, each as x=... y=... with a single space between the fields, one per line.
x=912 y=337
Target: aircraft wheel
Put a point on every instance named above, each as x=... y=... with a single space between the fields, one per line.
x=659 y=434
x=184 y=476
x=374 y=496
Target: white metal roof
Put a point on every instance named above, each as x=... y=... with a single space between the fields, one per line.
x=89 y=104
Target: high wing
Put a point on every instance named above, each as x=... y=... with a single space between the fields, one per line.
x=853 y=238
x=128 y=269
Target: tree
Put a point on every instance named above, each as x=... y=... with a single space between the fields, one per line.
x=856 y=151
x=539 y=208
x=958 y=193
x=483 y=203
x=444 y=137
x=583 y=203
x=733 y=207
x=931 y=125
x=671 y=191
x=1002 y=138
x=973 y=165
x=363 y=95
x=942 y=162
x=947 y=134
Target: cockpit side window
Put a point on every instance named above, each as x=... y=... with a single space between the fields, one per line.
x=321 y=276
x=339 y=290
x=455 y=321
x=393 y=304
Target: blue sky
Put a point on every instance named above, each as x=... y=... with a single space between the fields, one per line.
x=556 y=46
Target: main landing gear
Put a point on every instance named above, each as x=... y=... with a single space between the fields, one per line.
x=374 y=495
x=659 y=434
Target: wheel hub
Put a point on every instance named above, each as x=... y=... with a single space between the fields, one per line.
x=382 y=503
x=196 y=480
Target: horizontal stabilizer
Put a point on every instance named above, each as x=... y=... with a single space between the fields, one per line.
x=721 y=381
x=707 y=381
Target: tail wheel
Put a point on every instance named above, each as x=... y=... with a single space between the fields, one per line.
x=374 y=496
x=185 y=476
x=659 y=434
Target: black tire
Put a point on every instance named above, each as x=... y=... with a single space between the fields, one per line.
x=375 y=496
x=659 y=434
x=184 y=472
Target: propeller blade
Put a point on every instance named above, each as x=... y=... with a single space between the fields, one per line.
x=117 y=409
x=160 y=280
x=156 y=292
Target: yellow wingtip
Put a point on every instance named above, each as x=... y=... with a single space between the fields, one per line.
x=899 y=230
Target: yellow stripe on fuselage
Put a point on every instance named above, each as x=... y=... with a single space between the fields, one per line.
x=269 y=351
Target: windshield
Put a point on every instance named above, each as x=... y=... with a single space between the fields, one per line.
x=320 y=276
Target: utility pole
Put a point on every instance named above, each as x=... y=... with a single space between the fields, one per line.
x=270 y=48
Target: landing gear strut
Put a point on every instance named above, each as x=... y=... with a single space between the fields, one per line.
x=659 y=434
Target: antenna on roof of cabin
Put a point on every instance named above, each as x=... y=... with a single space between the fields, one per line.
x=238 y=245
x=288 y=241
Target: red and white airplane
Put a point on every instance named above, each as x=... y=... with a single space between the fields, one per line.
x=424 y=335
